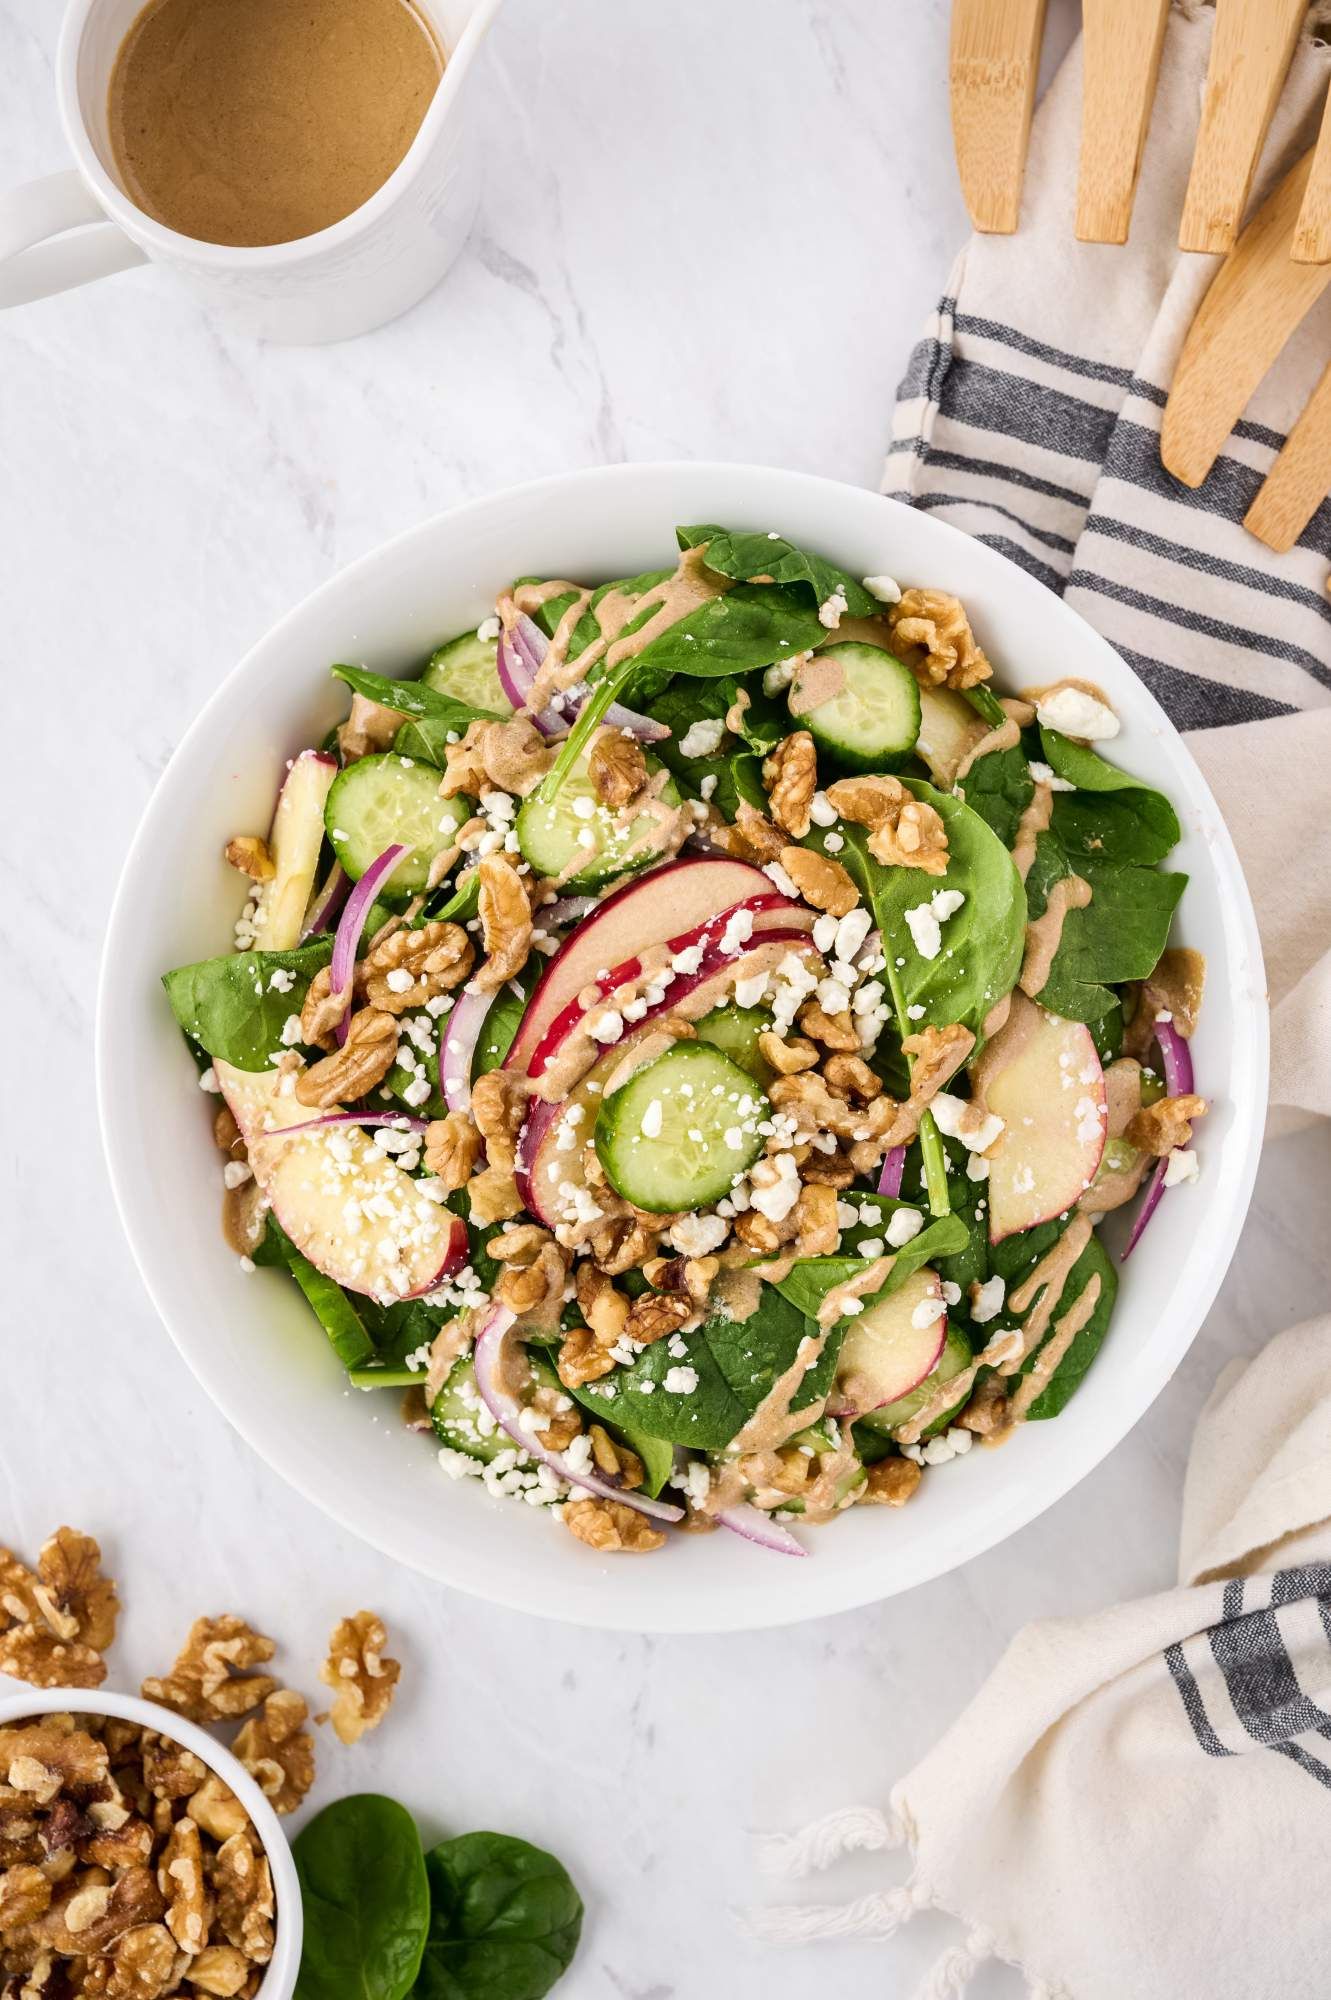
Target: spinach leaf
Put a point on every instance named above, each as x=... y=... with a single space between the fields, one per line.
x=232 y=1008
x=738 y=772
x=736 y=1362
x=753 y=625
x=983 y=941
x=367 y=1901
x=413 y=698
x=657 y=1454
x=999 y=787
x=505 y=1016
x=812 y=1278
x=969 y=1199
x=1118 y=936
x=1015 y=1258
x=1111 y=816
x=505 y=1920
x=743 y=556
x=358 y=1328
x=587 y=628
x=426 y=740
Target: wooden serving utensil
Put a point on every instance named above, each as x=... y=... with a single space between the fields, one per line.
x=992 y=68
x=1121 y=43
x=1312 y=238
x=1257 y=298
x=1251 y=49
x=1300 y=479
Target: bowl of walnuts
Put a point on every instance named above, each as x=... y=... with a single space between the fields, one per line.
x=138 y=1858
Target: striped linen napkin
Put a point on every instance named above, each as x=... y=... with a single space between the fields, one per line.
x=1138 y=1803
x=1030 y=417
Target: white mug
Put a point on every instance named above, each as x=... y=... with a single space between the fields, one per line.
x=76 y=226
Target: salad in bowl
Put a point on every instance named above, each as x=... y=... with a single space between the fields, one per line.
x=685 y=1039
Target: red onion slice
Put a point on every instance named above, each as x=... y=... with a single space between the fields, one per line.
x=755 y=1526
x=457 y=1050
x=487 y=1361
x=889 y=1181
x=519 y=661
x=399 y=1119
x=566 y=910
x=352 y=923
x=327 y=902
x=1176 y=1062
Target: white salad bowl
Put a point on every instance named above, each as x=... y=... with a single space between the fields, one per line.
x=279 y=1980
x=251 y=1340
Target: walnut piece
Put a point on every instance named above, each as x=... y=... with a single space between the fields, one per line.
x=613 y=1460
x=64 y=1614
x=787 y=1054
x=169 y=1770
x=1158 y=1128
x=816 y=1230
x=242 y=1884
x=452 y=1148
x=936 y=1054
x=364 y=1680
x=219 y=1969
x=526 y=1288
x=511 y=756
x=215 y=1809
x=370 y=728
x=611 y=1528
x=617 y=768
x=32 y=1653
x=935 y=621
x=758 y=840
x=582 y=1358
x=144 y=1964
x=987 y=1411
x=822 y=882
x=25 y=1894
x=903 y=831
x=362 y=1062
x=323 y=1009
x=211 y=1680
x=498 y=1106
x=437 y=957
x=656 y=1315
x=180 y=1878
x=249 y=855
x=890 y=1483
x=18 y=1588
x=605 y=1309
x=276 y=1750
x=506 y=926
x=851 y=1077
x=791 y=777
x=833 y=1031
x=493 y=1197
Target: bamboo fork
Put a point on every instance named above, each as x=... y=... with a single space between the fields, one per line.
x=1256 y=300
x=1312 y=238
x=993 y=64
x=1121 y=43
x=1251 y=50
x=1300 y=479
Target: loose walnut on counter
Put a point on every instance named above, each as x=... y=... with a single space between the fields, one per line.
x=363 y=1678
x=211 y=1680
x=61 y=1617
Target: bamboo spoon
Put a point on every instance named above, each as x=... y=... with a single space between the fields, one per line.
x=993 y=63
x=1300 y=479
x=1121 y=42
x=1251 y=49
x=1257 y=298
x=1312 y=238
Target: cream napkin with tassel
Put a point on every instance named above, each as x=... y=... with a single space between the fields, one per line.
x=1138 y=1803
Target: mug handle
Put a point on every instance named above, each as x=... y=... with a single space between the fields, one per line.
x=38 y=258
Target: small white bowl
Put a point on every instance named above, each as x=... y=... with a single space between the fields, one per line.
x=279 y=1980
x=251 y=1339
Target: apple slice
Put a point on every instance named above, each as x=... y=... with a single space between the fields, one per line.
x=891 y=1347
x=949 y=730
x=294 y=843
x=769 y=914
x=552 y=1145
x=658 y=906
x=343 y=1202
x=1041 y=1075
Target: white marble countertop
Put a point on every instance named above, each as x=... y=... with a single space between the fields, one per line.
x=709 y=231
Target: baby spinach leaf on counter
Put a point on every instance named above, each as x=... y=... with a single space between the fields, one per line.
x=736 y=1362
x=743 y=556
x=982 y=943
x=753 y=625
x=413 y=698
x=1111 y=815
x=366 y=1898
x=812 y=1278
x=1014 y=1259
x=505 y=1920
x=230 y=1006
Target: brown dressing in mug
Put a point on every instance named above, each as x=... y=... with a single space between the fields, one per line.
x=248 y=122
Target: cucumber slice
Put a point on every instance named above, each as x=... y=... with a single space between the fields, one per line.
x=735 y=1031
x=461 y=1420
x=379 y=800
x=682 y=1130
x=869 y=718
x=467 y=669
x=554 y=834
x=956 y=1355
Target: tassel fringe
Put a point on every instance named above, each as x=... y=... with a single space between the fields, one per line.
x=952 y=1973
x=825 y=1840
x=878 y=1916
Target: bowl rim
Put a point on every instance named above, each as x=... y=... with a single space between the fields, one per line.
x=1155 y=1368
x=279 y=1978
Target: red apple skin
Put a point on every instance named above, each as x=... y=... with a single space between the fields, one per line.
x=292 y=1172
x=1042 y=1076
x=691 y=995
x=647 y=911
x=884 y=1355
x=772 y=913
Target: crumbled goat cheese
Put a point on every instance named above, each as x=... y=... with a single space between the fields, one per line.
x=1180 y=1166
x=608 y=1026
x=833 y=609
x=699 y=1235
x=651 y=1120
x=776 y=873
x=399 y=980
x=1045 y=774
x=737 y=932
x=925 y=934
x=927 y=1312
x=280 y=980
x=870 y=1246
x=680 y=1381
x=834 y=843
x=821 y=810
x=208 y=1081
x=959 y=1119
x=703 y=739
x=977 y=1167
x=902 y=1225
x=487 y=629
x=987 y=1299
x=749 y=992
x=291 y=1031
x=1074 y=713
x=236 y=1172
x=885 y=588
x=775 y=1186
